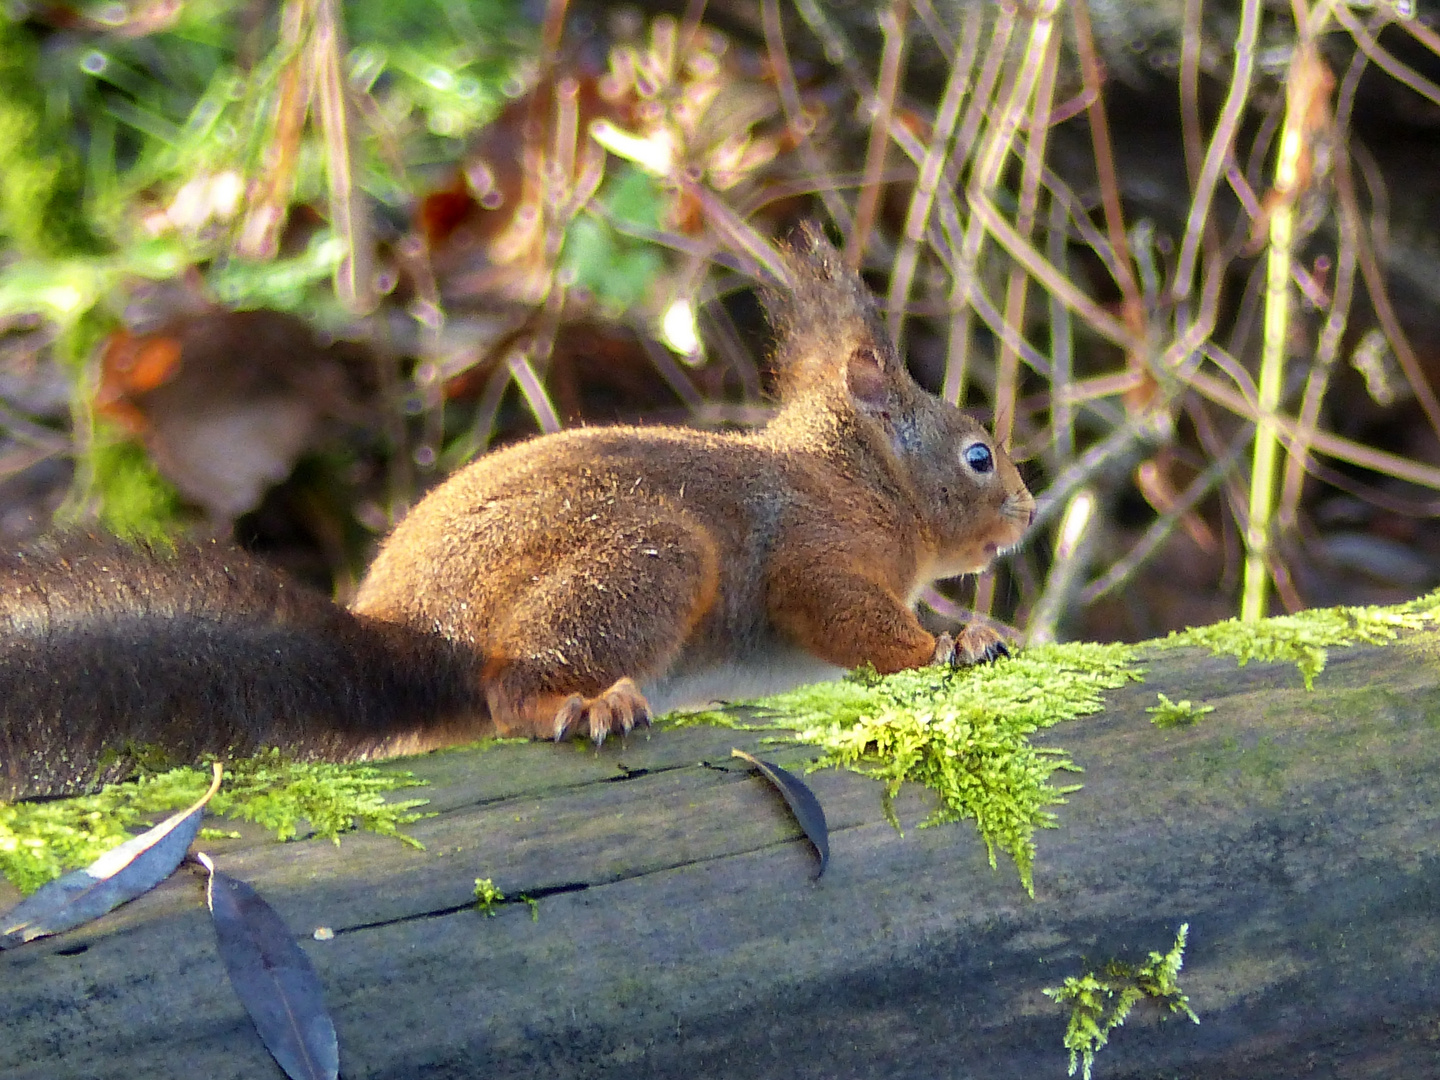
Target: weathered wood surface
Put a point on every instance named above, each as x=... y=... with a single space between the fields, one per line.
x=1295 y=832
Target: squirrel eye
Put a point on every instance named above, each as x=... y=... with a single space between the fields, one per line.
x=979 y=458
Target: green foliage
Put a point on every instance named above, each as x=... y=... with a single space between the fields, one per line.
x=616 y=268
x=40 y=178
x=964 y=734
x=104 y=136
x=1169 y=714
x=298 y=284
x=1304 y=639
x=1100 y=1002
x=716 y=718
x=487 y=896
x=117 y=482
x=127 y=157
x=41 y=840
x=278 y=793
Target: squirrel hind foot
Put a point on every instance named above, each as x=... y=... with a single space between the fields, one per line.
x=975 y=644
x=615 y=712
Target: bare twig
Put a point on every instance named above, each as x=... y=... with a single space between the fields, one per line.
x=800 y=124
x=1104 y=158
x=917 y=217
x=1382 y=58
x=957 y=359
x=1220 y=143
x=1323 y=442
x=1191 y=44
x=1017 y=286
x=354 y=275
x=1062 y=344
x=1124 y=568
x=892 y=63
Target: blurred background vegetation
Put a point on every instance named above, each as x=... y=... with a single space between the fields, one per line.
x=274 y=268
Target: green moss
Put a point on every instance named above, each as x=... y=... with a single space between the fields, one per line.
x=136 y=502
x=42 y=840
x=963 y=734
x=277 y=793
x=1305 y=638
x=487 y=896
x=1100 y=1001
x=735 y=718
x=1169 y=714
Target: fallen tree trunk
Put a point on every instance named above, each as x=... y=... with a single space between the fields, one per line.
x=679 y=931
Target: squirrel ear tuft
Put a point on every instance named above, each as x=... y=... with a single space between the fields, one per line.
x=824 y=318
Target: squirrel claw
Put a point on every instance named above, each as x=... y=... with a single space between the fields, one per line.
x=976 y=644
x=615 y=712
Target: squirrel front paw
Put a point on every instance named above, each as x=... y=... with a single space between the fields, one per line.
x=614 y=712
x=976 y=644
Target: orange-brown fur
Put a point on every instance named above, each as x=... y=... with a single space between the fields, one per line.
x=581 y=559
x=545 y=589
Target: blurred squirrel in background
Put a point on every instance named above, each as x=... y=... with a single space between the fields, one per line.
x=573 y=583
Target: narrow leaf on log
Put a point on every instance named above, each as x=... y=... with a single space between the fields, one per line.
x=273 y=978
x=802 y=802
x=122 y=873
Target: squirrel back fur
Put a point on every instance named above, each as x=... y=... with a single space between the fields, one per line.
x=544 y=589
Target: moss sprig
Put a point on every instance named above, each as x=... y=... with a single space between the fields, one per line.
x=42 y=840
x=1182 y=713
x=964 y=734
x=1100 y=1001
x=1305 y=639
x=278 y=793
x=487 y=896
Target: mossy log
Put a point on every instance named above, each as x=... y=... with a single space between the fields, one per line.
x=680 y=931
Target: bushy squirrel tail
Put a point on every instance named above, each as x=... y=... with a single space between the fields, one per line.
x=110 y=650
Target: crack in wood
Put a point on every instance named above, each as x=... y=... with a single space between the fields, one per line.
x=524 y=897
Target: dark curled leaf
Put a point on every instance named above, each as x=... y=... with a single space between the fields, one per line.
x=122 y=873
x=273 y=978
x=802 y=803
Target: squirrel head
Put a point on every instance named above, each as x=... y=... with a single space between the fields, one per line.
x=833 y=347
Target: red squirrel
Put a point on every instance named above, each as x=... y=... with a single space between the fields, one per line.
x=573 y=583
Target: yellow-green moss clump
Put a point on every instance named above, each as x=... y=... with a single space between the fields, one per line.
x=1100 y=1001
x=487 y=896
x=1305 y=638
x=1168 y=714
x=42 y=840
x=963 y=734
